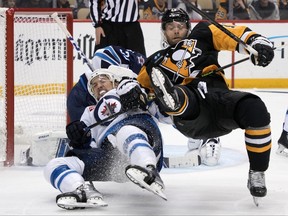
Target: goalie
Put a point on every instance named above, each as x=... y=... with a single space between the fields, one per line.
x=130 y=143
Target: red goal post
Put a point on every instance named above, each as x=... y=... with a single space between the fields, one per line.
x=36 y=74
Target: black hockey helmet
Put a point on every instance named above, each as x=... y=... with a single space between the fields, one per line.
x=175 y=14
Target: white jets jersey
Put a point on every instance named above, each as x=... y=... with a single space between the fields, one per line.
x=108 y=105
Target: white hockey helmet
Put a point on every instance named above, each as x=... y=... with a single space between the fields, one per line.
x=113 y=73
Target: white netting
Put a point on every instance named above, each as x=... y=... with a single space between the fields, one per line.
x=40 y=75
x=3 y=131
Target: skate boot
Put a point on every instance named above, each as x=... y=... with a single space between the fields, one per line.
x=210 y=151
x=84 y=196
x=147 y=178
x=256 y=185
x=283 y=144
x=164 y=90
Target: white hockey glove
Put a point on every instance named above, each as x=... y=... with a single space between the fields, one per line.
x=265 y=50
x=131 y=95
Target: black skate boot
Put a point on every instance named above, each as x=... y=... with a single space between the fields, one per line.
x=84 y=196
x=283 y=144
x=164 y=90
x=256 y=185
x=147 y=178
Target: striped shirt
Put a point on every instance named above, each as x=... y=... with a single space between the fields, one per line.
x=113 y=11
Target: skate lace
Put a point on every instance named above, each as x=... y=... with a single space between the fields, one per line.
x=212 y=148
x=91 y=191
x=80 y=191
x=257 y=179
x=154 y=176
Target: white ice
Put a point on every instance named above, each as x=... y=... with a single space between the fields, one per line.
x=219 y=190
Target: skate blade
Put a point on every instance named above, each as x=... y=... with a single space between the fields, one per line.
x=72 y=204
x=159 y=81
x=256 y=200
x=136 y=176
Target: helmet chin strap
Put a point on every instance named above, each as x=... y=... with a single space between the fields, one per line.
x=164 y=42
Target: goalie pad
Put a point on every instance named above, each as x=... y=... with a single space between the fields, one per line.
x=48 y=145
x=190 y=159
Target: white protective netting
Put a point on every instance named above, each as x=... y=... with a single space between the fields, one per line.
x=3 y=130
x=40 y=76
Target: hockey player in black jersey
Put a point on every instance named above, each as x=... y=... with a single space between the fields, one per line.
x=208 y=149
x=199 y=100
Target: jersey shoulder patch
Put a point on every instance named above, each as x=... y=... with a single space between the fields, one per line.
x=108 y=105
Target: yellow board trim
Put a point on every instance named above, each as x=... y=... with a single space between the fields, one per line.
x=42 y=89
x=259 y=83
x=238 y=83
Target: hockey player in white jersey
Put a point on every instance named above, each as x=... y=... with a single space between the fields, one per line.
x=79 y=97
x=130 y=143
x=77 y=100
x=283 y=140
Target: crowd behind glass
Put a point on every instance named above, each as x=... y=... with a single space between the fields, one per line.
x=153 y=9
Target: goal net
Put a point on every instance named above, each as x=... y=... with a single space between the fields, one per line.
x=36 y=67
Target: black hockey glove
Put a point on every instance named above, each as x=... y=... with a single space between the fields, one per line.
x=265 y=50
x=131 y=95
x=77 y=134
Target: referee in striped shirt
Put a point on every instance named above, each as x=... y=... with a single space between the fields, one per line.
x=116 y=23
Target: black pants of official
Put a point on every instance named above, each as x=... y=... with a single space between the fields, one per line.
x=127 y=35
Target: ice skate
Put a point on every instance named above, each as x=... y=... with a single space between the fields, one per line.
x=85 y=196
x=210 y=151
x=164 y=90
x=256 y=185
x=147 y=178
x=283 y=144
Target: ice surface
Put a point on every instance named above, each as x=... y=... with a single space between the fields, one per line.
x=219 y=190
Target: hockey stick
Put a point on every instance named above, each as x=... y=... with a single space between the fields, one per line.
x=245 y=59
x=104 y=120
x=226 y=66
x=222 y=28
x=71 y=39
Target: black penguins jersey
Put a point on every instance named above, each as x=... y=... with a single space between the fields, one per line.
x=197 y=54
